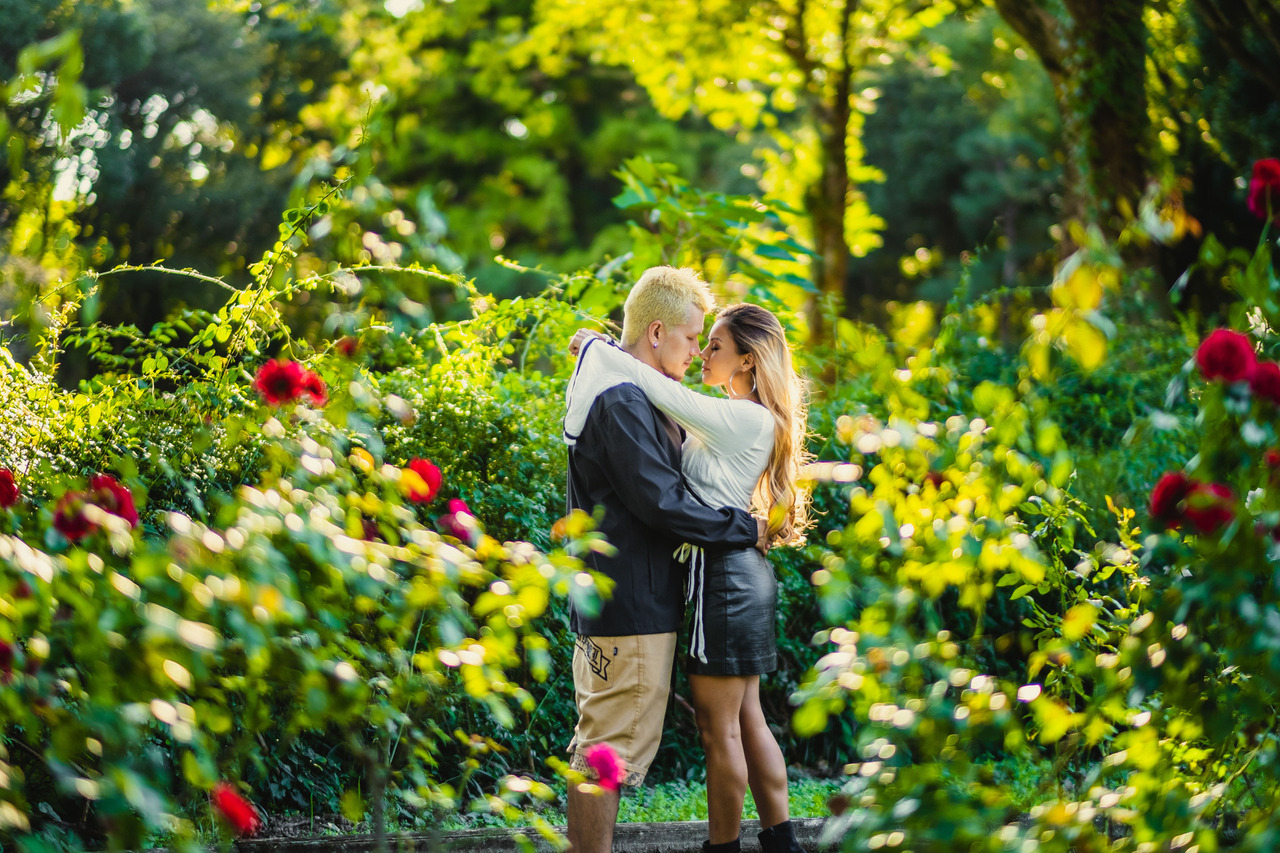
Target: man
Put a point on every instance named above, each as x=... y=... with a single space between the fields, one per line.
x=624 y=456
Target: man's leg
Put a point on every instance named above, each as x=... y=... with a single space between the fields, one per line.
x=591 y=820
x=621 y=686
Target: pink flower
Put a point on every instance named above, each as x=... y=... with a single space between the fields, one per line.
x=605 y=763
x=1264 y=189
x=235 y=809
x=422 y=487
x=107 y=492
x=1265 y=381
x=1226 y=355
x=1209 y=507
x=8 y=489
x=459 y=522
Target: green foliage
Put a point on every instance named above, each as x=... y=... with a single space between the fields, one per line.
x=147 y=669
x=298 y=601
x=1131 y=670
x=739 y=243
x=997 y=631
x=190 y=112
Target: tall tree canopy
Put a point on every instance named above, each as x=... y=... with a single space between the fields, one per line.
x=797 y=70
x=189 y=131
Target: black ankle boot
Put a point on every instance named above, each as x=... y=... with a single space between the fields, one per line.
x=780 y=839
x=734 y=846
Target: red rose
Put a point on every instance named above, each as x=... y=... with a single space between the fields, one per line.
x=8 y=489
x=605 y=764
x=1264 y=189
x=1226 y=355
x=1209 y=507
x=280 y=381
x=348 y=346
x=1265 y=381
x=69 y=518
x=1167 y=496
x=1272 y=460
x=423 y=489
x=459 y=522
x=313 y=387
x=107 y=492
x=6 y=658
x=237 y=811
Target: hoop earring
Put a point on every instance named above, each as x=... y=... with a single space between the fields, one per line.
x=729 y=385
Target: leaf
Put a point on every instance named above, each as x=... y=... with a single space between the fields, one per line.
x=810 y=719
x=353 y=806
x=766 y=250
x=804 y=284
x=794 y=246
x=1078 y=622
x=630 y=198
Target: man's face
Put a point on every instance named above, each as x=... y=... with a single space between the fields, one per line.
x=678 y=347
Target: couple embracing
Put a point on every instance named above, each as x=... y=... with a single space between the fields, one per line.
x=678 y=475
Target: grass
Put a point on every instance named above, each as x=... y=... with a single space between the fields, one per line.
x=669 y=801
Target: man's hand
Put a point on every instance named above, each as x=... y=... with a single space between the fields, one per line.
x=580 y=337
x=762 y=536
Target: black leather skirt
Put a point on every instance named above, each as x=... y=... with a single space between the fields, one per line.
x=733 y=598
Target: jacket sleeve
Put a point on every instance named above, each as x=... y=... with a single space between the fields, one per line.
x=653 y=490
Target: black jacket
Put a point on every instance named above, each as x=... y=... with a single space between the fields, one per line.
x=627 y=461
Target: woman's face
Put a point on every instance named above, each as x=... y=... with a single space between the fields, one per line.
x=721 y=358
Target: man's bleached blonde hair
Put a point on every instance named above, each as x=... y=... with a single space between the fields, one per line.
x=663 y=294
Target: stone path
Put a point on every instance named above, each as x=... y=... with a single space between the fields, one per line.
x=677 y=837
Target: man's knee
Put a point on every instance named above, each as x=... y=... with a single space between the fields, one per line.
x=591 y=819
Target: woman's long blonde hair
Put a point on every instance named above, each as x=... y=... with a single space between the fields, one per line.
x=783 y=392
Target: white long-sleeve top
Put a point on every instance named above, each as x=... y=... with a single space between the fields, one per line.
x=727 y=442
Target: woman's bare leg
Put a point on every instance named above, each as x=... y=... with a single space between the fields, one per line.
x=717 y=703
x=766 y=768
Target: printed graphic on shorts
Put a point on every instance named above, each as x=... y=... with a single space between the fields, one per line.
x=596 y=657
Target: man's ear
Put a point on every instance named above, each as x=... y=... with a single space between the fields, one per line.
x=654 y=334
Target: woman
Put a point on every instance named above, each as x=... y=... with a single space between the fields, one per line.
x=742 y=451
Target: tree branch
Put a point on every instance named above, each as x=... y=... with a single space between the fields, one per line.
x=1039 y=29
x=795 y=41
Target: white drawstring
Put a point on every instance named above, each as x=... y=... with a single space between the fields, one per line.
x=696 y=559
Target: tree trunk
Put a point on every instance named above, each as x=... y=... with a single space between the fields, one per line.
x=1096 y=62
x=827 y=204
x=828 y=200
x=1109 y=73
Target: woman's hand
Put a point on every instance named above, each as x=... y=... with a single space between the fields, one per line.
x=580 y=337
